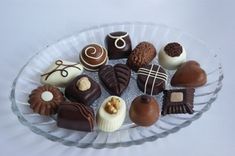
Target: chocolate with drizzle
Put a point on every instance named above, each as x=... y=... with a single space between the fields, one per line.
x=63 y=71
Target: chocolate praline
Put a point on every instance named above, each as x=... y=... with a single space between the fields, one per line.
x=45 y=100
x=118 y=45
x=75 y=116
x=144 y=110
x=151 y=79
x=83 y=89
x=93 y=56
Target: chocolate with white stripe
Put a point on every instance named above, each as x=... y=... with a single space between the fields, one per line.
x=75 y=116
x=115 y=78
x=151 y=79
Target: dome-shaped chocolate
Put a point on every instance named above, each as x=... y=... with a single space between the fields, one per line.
x=144 y=110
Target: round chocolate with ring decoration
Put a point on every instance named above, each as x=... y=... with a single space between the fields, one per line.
x=118 y=45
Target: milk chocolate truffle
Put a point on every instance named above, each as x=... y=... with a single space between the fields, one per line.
x=144 y=110
x=45 y=100
x=141 y=56
x=151 y=79
x=75 y=116
x=111 y=114
x=189 y=74
x=83 y=89
x=93 y=56
x=118 y=45
x=172 y=56
x=61 y=72
x=178 y=101
x=115 y=78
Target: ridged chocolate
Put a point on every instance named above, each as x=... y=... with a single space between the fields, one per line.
x=43 y=107
x=75 y=116
x=141 y=56
x=115 y=78
x=86 y=97
x=177 y=107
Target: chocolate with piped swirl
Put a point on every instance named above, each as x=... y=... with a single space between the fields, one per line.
x=118 y=45
x=42 y=106
x=93 y=56
x=75 y=116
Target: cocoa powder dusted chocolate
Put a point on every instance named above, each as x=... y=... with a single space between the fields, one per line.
x=141 y=56
x=173 y=49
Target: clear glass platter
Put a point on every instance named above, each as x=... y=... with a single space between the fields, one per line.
x=129 y=134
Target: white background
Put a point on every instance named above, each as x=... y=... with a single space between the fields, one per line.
x=28 y=26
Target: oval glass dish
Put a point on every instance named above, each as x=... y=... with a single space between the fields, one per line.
x=129 y=134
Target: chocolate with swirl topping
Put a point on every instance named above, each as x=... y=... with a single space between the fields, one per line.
x=61 y=73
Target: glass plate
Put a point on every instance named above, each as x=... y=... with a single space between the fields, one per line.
x=129 y=134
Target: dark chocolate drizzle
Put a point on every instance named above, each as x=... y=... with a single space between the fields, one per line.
x=63 y=71
x=173 y=49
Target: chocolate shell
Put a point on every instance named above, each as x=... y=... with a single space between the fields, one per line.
x=115 y=78
x=118 y=45
x=85 y=92
x=75 y=116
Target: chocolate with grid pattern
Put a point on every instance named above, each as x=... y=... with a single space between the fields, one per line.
x=178 y=101
x=115 y=78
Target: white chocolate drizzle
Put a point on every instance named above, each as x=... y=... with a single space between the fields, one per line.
x=154 y=74
x=119 y=38
x=92 y=57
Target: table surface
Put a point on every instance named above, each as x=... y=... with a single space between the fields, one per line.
x=28 y=26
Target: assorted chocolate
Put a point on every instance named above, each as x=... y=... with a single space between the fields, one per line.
x=61 y=72
x=178 y=101
x=45 y=100
x=81 y=91
x=93 y=56
x=151 y=79
x=115 y=78
x=144 y=110
x=118 y=45
x=111 y=114
x=172 y=56
x=141 y=56
x=189 y=74
x=76 y=116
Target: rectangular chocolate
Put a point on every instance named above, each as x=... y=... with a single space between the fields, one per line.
x=178 y=101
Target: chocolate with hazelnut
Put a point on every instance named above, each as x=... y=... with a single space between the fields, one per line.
x=83 y=89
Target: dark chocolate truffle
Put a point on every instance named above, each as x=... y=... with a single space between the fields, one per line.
x=115 y=78
x=189 y=74
x=75 y=116
x=118 y=45
x=178 y=101
x=83 y=89
x=93 y=56
x=45 y=100
x=151 y=79
x=144 y=110
x=141 y=56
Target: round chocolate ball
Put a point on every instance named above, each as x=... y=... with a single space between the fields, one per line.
x=144 y=110
x=93 y=56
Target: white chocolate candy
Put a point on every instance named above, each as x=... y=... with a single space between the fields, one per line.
x=169 y=62
x=112 y=119
x=47 y=96
x=60 y=73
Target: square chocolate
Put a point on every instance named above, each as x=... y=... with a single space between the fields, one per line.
x=178 y=101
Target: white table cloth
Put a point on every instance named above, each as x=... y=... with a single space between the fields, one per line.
x=28 y=26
